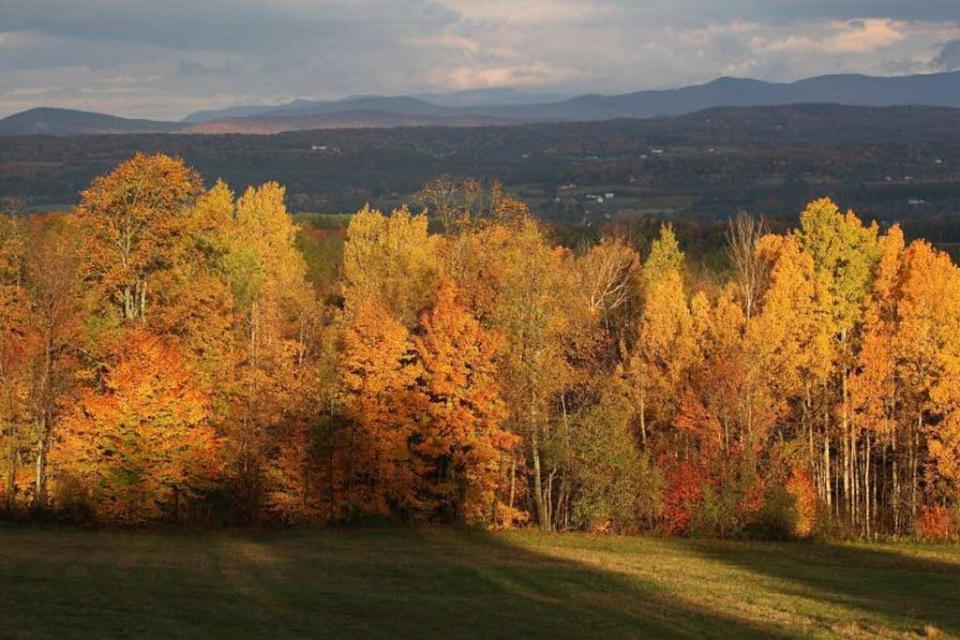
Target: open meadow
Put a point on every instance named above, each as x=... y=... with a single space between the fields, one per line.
x=412 y=583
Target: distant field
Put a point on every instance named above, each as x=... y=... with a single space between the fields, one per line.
x=769 y=160
x=451 y=584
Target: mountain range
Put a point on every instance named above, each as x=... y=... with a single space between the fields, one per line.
x=483 y=107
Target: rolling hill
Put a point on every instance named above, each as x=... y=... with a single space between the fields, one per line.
x=69 y=122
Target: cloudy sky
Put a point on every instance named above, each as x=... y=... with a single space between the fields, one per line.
x=165 y=58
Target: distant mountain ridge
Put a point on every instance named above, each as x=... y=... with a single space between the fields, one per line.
x=491 y=96
x=467 y=108
x=467 y=98
x=51 y=121
x=240 y=111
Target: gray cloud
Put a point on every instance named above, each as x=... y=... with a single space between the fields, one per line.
x=791 y=10
x=210 y=25
x=949 y=57
x=162 y=59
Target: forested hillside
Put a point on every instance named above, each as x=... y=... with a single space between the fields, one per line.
x=172 y=352
x=891 y=164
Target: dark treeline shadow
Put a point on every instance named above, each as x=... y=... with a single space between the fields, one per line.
x=886 y=583
x=352 y=584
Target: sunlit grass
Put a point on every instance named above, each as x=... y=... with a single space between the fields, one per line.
x=446 y=583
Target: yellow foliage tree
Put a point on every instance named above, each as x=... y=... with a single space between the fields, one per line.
x=393 y=258
x=135 y=221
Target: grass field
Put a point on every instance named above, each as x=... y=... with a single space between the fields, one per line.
x=453 y=584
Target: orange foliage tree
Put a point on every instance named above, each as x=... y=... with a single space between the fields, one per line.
x=141 y=444
x=15 y=346
x=380 y=472
x=461 y=436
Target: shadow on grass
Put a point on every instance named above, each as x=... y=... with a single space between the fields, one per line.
x=366 y=584
x=891 y=585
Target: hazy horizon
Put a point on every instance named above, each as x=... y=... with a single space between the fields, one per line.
x=138 y=58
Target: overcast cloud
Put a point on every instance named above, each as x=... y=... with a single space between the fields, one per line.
x=165 y=58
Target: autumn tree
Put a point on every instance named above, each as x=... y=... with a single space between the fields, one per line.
x=135 y=222
x=618 y=487
x=666 y=347
x=791 y=342
x=518 y=285
x=57 y=307
x=15 y=345
x=391 y=257
x=717 y=405
x=928 y=313
x=461 y=435
x=610 y=286
x=457 y=203
x=263 y=329
x=140 y=442
x=844 y=253
x=380 y=473
x=743 y=235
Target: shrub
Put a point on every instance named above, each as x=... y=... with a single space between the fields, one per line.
x=801 y=487
x=684 y=497
x=778 y=516
x=936 y=523
x=732 y=499
x=71 y=499
x=616 y=481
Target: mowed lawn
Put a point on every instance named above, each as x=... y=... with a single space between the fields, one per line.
x=408 y=583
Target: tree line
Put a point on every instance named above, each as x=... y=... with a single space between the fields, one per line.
x=164 y=357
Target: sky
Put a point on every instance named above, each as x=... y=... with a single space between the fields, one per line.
x=166 y=58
